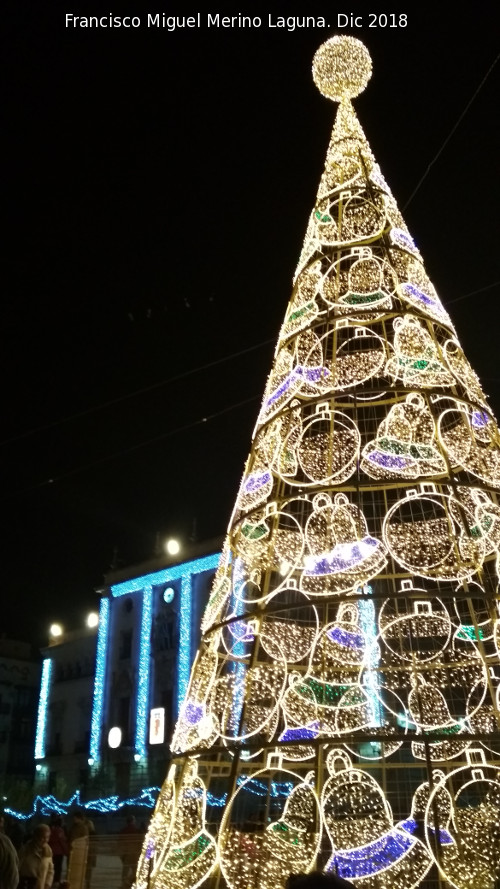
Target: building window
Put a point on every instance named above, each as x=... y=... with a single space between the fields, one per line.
x=25 y=729
x=167 y=700
x=124 y=717
x=24 y=697
x=125 y=644
x=4 y=707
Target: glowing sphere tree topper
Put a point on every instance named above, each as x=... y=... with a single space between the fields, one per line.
x=342 y=68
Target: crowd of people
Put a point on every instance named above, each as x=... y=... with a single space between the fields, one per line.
x=39 y=858
x=39 y=861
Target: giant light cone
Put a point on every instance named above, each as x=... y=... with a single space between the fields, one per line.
x=342 y=712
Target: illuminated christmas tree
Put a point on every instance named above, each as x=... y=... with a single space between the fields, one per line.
x=343 y=709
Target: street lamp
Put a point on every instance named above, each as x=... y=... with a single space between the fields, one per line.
x=172 y=547
x=115 y=737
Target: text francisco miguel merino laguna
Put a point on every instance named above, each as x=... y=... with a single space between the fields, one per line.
x=208 y=20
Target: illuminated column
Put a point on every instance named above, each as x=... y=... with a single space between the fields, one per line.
x=185 y=654
x=41 y=723
x=142 y=709
x=99 y=681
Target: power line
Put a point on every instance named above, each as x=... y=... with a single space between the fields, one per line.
x=450 y=134
x=137 y=392
x=180 y=376
x=472 y=293
x=136 y=447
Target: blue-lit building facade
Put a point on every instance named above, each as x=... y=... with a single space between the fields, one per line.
x=19 y=684
x=106 y=730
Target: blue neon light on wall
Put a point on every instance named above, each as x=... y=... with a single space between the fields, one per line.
x=141 y=720
x=369 y=627
x=41 y=723
x=100 y=671
x=145 y=584
x=49 y=805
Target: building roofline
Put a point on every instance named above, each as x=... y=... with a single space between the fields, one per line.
x=190 y=552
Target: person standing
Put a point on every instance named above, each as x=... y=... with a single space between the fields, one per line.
x=78 y=848
x=59 y=845
x=91 y=856
x=79 y=828
x=9 y=872
x=36 y=869
x=130 y=849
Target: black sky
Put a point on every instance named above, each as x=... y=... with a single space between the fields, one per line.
x=158 y=191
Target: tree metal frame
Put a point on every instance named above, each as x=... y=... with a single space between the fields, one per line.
x=343 y=709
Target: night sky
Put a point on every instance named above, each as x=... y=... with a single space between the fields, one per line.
x=158 y=189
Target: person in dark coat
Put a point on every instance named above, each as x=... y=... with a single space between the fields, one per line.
x=59 y=844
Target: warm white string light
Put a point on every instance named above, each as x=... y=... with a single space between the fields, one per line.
x=353 y=623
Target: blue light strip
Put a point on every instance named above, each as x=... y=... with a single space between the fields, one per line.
x=239 y=668
x=100 y=672
x=41 y=723
x=183 y=572
x=184 y=662
x=47 y=805
x=371 y=859
x=143 y=678
x=369 y=628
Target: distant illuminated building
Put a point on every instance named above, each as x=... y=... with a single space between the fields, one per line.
x=19 y=681
x=111 y=691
